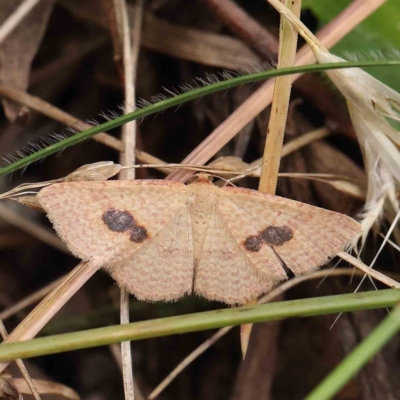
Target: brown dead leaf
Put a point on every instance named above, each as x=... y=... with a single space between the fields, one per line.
x=176 y=40
x=19 y=48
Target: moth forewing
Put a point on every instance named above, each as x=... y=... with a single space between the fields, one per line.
x=305 y=237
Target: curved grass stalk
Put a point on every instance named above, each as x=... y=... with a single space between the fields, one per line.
x=199 y=321
x=178 y=99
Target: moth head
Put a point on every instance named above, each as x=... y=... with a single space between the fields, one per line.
x=201 y=177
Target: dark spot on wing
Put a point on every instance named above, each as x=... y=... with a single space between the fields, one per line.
x=122 y=221
x=276 y=235
x=253 y=243
x=138 y=234
x=118 y=221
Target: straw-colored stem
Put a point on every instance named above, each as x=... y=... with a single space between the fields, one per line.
x=369 y=271
x=131 y=47
x=280 y=104
x=276 y=125
x=16 y=17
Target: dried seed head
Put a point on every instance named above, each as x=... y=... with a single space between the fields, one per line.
x=99 y=171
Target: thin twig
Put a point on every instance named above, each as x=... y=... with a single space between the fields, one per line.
x=277 y=123
x=15 y=18
x=298 y=143
x=116 y=353
x=280 y=105
x=127 y=157
x=369 y=271
x=246 y=27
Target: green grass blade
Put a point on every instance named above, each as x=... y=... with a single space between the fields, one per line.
x=199 y=321
x=358 y=357
x=180 y=99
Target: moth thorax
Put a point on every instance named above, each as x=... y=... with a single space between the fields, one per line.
x=201 y=211
x=200 y=178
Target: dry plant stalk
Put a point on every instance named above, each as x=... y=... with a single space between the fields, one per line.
x=16 y=17
x=127 y=157
x=277 y=124
x=280 y=104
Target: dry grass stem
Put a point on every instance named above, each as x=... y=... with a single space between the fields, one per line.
x=369 y=271
x=277 y=124
x=245 y=27
x=280 y=105
x=43 y=312
x=304 y=140
x=262 y=97
x=115 y=349
x=342 y=183
x=15 y=18
x=127 y=157
x=298 y=143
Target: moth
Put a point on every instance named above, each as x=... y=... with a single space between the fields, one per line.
x=162 y=239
